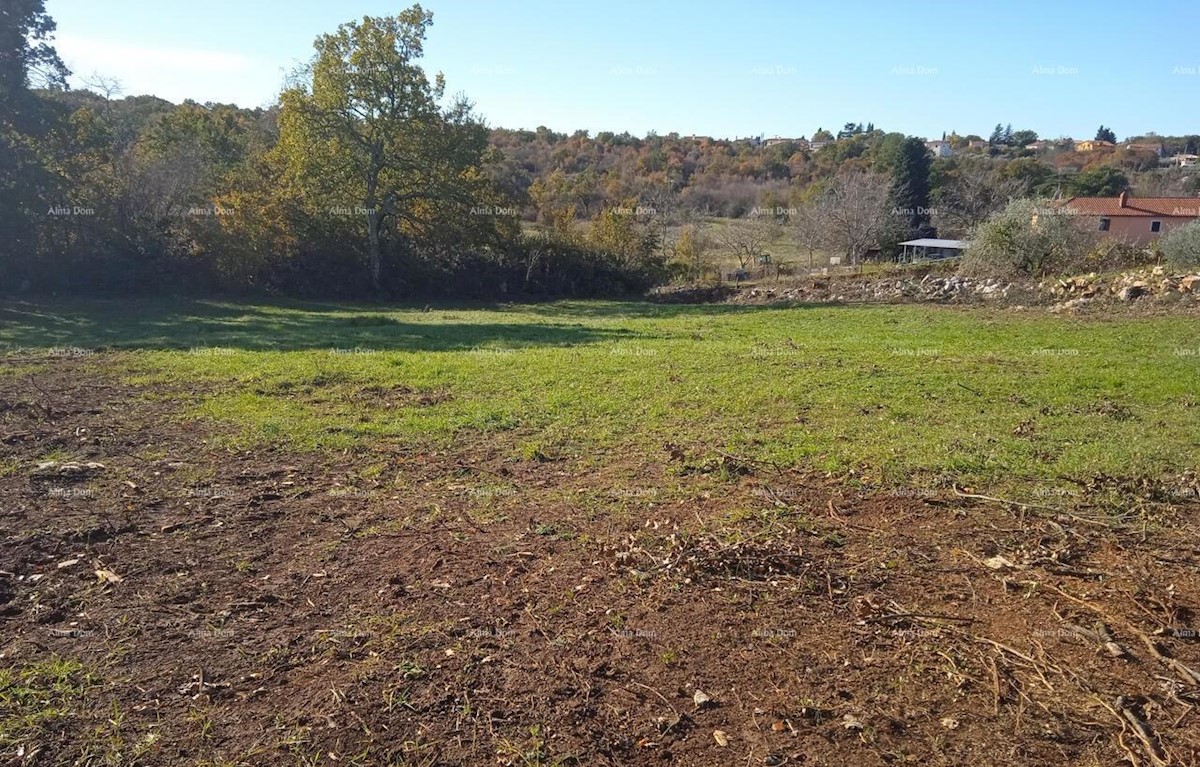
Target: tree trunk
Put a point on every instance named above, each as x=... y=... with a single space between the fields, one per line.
x=374 y=250
x=374 y=237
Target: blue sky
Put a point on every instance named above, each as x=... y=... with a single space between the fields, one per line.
x=1059 y=67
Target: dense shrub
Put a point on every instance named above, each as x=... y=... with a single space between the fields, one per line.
x=1181 y=246
x=535 y=266
x=1028 y=238
x=1114 y=255
x=546 y=266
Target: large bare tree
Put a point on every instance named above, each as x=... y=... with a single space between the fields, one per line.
x=975 y=192
x=856 y=213
x=747 y=240
x=808 y=228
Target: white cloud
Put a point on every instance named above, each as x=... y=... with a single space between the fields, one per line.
x=174 y=74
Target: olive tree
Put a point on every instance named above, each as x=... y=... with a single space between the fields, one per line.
x=1181 y=246
x=1029 y=238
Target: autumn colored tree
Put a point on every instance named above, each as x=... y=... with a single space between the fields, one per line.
x=619 y=232
x=364 y=132
x=691 y=249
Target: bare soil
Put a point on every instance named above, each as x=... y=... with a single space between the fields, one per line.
x=460 y=608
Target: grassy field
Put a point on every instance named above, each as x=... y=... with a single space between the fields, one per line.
x=612 y=533
x=896 y=394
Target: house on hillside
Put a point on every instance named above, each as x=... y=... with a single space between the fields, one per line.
x=977 y=143
x=1049 y=145
x=1091 y=145
x=1184 y=160
x=1146 y=146
x=1136 y=220
x=940 y=148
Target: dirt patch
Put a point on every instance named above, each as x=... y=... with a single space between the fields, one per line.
x=397 y=607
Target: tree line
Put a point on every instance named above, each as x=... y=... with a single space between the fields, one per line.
x=365 y=178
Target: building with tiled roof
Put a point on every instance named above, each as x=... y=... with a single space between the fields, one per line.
x=1146 y=146
x=1138 y=220
x=1091 y=145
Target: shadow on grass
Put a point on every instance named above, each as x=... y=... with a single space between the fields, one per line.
x=616 y=310
x=163 y=324
x=189 y=323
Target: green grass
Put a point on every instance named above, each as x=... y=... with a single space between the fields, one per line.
x=38 y=698
x=900 y=394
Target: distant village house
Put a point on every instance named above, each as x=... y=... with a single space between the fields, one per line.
x=1092 y=145
x=940 y=148
x=1136 y=220
x=1145 y=146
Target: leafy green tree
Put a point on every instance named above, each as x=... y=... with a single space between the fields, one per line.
x=1023 y=138
x=618 y=233
x=1105 y=181
x=1029 y=173
x=909 y=164
x=26 y=56
x=1106 y=134
x=221 y=134
x=849 y=130
x=363 y=131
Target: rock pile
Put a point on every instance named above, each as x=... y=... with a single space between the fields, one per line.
x=1071 y=293
x=884 y=289
x=691 y=294
x=1153 y=282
